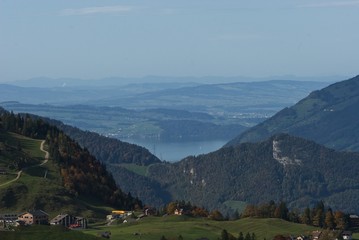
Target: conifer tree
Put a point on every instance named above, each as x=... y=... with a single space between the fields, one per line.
x=305 y=218
x=224 y=235
x=240 y=237
x=318 y=218
x=235 y=215
x=340 y=220
x=253 y=237
x=248 y=236
x=329 y=219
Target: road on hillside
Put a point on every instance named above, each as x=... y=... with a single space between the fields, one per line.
x=46 y=154
x=18 y=174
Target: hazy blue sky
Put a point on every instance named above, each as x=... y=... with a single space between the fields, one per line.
x=95 y=39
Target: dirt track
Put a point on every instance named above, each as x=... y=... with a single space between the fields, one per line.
x=18 y=175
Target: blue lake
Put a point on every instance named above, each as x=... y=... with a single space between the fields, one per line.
x=175 y=151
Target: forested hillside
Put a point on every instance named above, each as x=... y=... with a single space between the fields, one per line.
x=283 y=167
x=82 y=175
x=250 y=172
x=329 y=117
x=109 y=150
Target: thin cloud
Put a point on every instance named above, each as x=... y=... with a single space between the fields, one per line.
x=237 y=37
x=331 y=4
x=96 y=10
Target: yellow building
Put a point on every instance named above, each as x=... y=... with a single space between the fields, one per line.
x=34 y=217
x=119 y=212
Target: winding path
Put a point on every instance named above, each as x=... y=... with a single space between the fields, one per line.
x=15 y=179
x=47 y=155
x=18 y=174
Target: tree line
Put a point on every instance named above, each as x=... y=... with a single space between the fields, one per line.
x=318 y=216
x=225 y=235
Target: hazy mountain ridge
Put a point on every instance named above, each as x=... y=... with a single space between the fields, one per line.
x=151 y=94
x=167 y=80
x=225 y=97
x=328 y=116
x=153 y=124
x=153 y=110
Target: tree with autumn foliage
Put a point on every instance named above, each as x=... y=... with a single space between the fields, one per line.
x=341 y=220
x=216 y=215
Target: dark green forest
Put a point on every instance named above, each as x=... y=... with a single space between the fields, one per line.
x=250 y=173
x=109 y=150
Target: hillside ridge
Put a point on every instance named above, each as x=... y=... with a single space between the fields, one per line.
x=280 y=168
x=73 y=175
x=328 y=116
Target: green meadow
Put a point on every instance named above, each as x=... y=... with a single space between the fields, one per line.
x=140 y=170
x=28 y=145
x=171 y=227
x=153 y=228
x=44 y=233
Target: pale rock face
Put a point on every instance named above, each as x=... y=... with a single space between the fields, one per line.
x=284 y=160
x=203 y=183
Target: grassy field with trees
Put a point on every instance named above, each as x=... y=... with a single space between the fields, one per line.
x=172 y=227
x=41 y=232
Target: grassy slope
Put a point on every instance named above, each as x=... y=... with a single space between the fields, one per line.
x=140 y=170
x=30 y=149
x=32 y=190
x=236 y=205
x=44 y=233
x=28 y=145
x=152 y=228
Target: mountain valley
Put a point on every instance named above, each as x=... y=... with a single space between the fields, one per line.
x=280 y=167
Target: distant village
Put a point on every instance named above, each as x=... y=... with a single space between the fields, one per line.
x=40 y=217
x=36 y=217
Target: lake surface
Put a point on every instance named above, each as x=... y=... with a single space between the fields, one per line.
x=175 y=151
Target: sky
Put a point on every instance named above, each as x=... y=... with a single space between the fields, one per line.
x=92 y=39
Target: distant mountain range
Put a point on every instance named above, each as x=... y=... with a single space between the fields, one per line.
x=170 y=111
x=273 y=166
x=329 y=116
x=48 y=82
x=190 y=96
